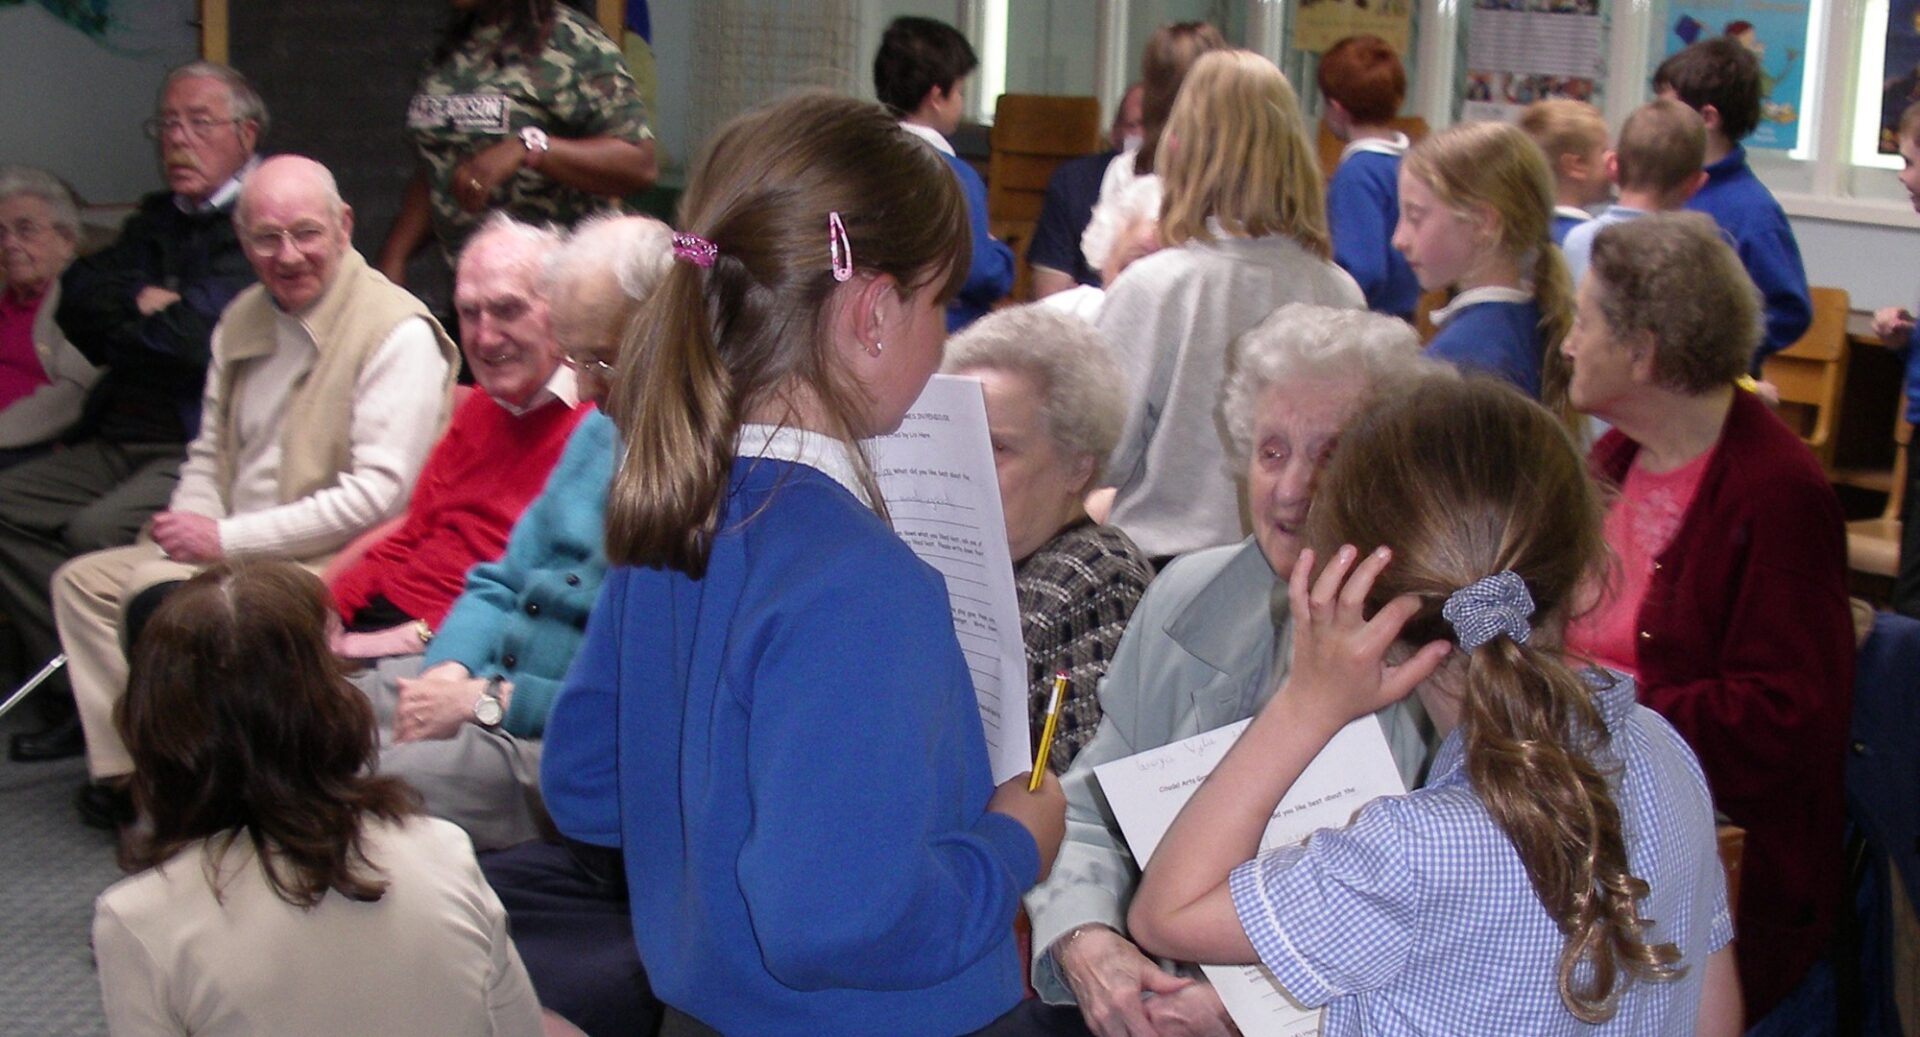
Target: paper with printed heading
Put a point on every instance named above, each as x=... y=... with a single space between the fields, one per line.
x=1147 y=790
x=937 y=476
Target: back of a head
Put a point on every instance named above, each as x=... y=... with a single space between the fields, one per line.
x=1243 y=157
x=916 y=55
x=1082 y=390
x=239 y=717
x=1662 y=147
x=1672 y=278
x=1364 y=74
x=1720 y=72
x=1563 y=126
x=1465 y=480
x=633 y=251
x=1164 y=63
x=734 y=333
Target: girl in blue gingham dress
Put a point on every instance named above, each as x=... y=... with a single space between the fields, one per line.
x=1558 y=872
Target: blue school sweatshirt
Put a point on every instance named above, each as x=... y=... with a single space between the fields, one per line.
x=788 y=753
x=1565 y=218
x=1498 y=337
x=1363 y=205
x=1746 y=210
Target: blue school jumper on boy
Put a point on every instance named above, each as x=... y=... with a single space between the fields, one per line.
x=1565 y=218
x=1746 y=210
x=1363 y=205
x=1578 y=248
x=788 y=752
x=1419 y=918
x=990 y=271
x=1496 y=330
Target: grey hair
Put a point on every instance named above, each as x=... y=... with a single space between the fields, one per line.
x=542 y=238
x=635 y=250
x=1082 y=390
x=38 y=183
x=1306 y=341
x=319 y=173
x=243 y=100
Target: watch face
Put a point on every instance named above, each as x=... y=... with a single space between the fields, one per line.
x=534 y=138
x=486 y=710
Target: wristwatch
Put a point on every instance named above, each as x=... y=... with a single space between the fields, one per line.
x=487 y=711
x=534 y=139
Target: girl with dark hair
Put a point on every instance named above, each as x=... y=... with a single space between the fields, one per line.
x=525 y=107
x=771 y=717
x=287 y=890
x=1557 y=874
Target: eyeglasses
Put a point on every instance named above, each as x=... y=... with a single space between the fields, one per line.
x=265 y=244
x=586 y=364
x=24 y=231
x=196 y=127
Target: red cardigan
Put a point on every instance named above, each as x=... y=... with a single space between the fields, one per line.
x=482 y=474
x=1746 y=646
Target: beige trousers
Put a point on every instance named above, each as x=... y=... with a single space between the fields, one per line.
x=88 y=596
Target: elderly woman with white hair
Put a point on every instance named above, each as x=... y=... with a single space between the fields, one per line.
x=43 y=379
x=1055 y=402
x=1207 y=646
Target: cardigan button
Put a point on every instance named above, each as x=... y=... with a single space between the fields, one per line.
x=573 y=579
x=533 y=608
x=1644 y=636
x=1859 y=748
x=509 y=660
x=1656 y=567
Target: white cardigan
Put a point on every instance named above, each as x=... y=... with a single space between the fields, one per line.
x=51 y=409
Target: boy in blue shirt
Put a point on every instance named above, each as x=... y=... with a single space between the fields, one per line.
x=1720 y=79
x=1573 y=136
x=1895 y=326
x=919 y=73
x=1361 y=85
x=1658 y=165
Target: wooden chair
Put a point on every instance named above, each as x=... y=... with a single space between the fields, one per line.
x=1873 y=545
x=1812 y=373
x=1032 y=134
x=1328 y=147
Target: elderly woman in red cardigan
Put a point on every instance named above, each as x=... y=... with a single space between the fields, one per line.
x=1729 y=602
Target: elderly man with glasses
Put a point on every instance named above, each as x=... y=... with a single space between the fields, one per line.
x=144 y=309
x=327 y=388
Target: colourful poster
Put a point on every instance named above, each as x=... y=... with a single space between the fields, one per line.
x=1319 y=24
x=1522 y=51
x=1902 y=83
x=1776 y=32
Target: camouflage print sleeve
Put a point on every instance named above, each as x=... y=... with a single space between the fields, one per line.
x=597 y=97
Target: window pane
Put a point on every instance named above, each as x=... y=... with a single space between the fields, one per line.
x=1051 y=48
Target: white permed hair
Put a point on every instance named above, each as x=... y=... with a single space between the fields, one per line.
x=635 y=251
x=1306 y=341
x=38 y=183
x=1082 y=390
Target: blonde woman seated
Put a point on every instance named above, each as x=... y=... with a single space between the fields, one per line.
x=1054 y=406
x=1245 y=230
x=287 y=891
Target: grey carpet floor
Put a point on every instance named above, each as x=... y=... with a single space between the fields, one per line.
x=51 y=868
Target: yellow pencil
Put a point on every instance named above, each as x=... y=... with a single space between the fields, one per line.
x=1046 y=733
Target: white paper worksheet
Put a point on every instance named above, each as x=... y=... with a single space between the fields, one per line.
x=936 y=474
x=1147 y=790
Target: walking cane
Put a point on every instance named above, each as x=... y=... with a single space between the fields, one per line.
x=20 y=694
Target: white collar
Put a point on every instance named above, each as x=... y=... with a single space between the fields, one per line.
x=931 y=136
x=1476 y=296
x=1395 y=145
x=824 y=454
x=222 y=196
x=1572 y=212
x=561 y=385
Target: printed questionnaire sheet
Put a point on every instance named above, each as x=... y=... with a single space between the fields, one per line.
x=937 y=476
x=1147 y=790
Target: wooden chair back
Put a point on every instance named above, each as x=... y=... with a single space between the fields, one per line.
x=1032 y=133
x=1328 y=147
x=1873 y=545
x=1811 y=374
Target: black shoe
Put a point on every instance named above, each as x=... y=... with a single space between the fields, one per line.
x=104 y=805
x=58 y=742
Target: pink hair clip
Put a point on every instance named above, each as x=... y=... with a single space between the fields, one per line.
x=839 y=249
x=694 y=249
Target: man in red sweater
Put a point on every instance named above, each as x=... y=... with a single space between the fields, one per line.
x=491 y=463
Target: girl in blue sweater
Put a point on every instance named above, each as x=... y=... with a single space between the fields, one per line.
x=1476 y=215
x=771 y=717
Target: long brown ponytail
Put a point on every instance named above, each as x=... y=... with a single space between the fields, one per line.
x=713 y=342
x=1467 y=478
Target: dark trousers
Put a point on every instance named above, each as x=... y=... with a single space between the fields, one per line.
x=1906 y=584
x=1029 y=1018
x=575 y=933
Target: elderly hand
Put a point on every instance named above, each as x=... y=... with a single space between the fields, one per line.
x=152 y=299
x=1192 y=1011
x=430 y=708
x=476 y=179
x=378 y=644
x=1893 y=324
x=1339 y=669
x=186 y=537
x=1108 y=975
